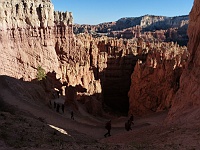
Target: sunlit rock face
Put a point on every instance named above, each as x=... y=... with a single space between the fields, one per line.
x=32 y=34
x=146 y=22
x=155 y=82
x=30 y=31
x=187 y=99
x=165 y=29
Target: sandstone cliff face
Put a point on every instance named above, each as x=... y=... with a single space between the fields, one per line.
x=155 y=82
x=187 y=98
x=28 y=34
x=155 y=79
x=32 y=35
x=112 y=62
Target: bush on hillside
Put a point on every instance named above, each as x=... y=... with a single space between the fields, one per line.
x=40 y=73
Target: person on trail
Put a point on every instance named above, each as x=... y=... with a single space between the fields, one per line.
x=128 y=125
x=50 y=104
x=63 y=108
x=72 y=115
x=131 y=118
x=129 y=122
x=54 y=104
x=58 y=107
x=108 y=127
x=58 y=93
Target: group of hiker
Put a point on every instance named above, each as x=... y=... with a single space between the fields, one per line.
x=127 y=125
x=57 y=105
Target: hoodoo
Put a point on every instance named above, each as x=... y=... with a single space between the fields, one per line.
x=187 y=98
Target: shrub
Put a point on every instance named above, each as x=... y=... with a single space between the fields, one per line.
x=40 y=73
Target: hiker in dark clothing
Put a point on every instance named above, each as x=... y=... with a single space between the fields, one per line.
x=131 y=118
x=63 y=108
x=54 y=95
x=108 y=127
x=54 y=103
x=72 y=115
x=50 y=104
x=58 y=107
x=128 y=125
x=58 y=93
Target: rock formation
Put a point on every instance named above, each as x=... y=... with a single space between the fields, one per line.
x=158 y=69
x=147 y=22
x=29 y=34
x=172 y=28
x=155 y=82
x=32 y=35
x=185 y=106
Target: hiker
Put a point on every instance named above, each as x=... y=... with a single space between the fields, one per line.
x=58 y=93
x=72 y=115
x=131 y=118
x=58 y=107
x=50 y=104
x=63 y=108
x=128 y=125
x=54 y=95
x=108 y=127
x=54 y=104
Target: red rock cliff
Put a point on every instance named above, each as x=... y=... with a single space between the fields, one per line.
x=187 y=99
x=29 y=31
x=32 y=35
x=155 y=82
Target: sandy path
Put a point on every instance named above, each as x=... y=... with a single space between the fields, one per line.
x=60 y=120
x=86 y=124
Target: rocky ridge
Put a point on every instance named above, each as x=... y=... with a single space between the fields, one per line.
x=32 y=34
x=155 y=82
x=186 y=102
x=146 y=22
x=172 y=28
x=113 y=61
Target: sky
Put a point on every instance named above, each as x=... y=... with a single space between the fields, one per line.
x=98 y=11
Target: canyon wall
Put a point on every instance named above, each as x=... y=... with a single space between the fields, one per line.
x=155 y=81
x=32 y=34
x=112 y=61
x=170 y=28
x=146 y=22
x=155 y=66
x=29 y=34
x=185 y=106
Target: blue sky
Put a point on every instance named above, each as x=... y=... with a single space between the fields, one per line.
x=98 y=11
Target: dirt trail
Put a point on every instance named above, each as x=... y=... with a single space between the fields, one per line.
x=148 y=132
x=83 y=123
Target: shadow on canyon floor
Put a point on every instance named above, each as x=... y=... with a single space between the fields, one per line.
x=116 y=81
